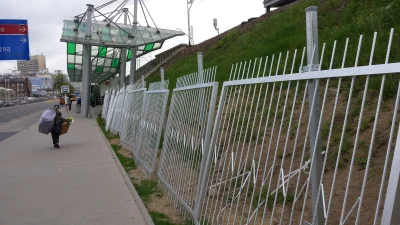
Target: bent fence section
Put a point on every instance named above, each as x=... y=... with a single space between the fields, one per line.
x=150 y=126
x=187 y=137
x=132 y=113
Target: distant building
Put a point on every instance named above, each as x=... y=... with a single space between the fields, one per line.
x=16 y=73
x=32 y=66
x=21 y=86
x=45 y=70
x=268 y=4
x=58 y=72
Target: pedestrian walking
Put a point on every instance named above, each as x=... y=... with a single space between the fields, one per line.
x=66 y=102
x=58 y=121
x=69 y=102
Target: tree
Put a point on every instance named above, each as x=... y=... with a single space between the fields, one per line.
x=60 y=80
x=71 y=89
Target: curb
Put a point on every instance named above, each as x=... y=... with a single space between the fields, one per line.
x=128 y=182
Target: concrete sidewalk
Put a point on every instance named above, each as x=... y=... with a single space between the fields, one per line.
x=78 y=184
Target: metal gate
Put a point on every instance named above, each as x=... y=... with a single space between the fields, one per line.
x=151 y=125
x=132 y=113
x=262 y=168
x=186 y=138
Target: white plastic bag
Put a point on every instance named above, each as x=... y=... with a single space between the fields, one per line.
x=46 y=121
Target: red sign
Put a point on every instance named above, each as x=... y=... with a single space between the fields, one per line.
x=13 y=29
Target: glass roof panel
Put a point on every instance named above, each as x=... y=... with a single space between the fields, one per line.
x=115 y=36
x=71 y=59
x=149 y=47
x=71 y=48
x=79 y=48
x=157 y=45
x=78 y=59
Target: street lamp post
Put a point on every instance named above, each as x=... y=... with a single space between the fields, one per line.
x=189 y=6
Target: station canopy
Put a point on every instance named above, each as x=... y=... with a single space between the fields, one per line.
x=107 y=40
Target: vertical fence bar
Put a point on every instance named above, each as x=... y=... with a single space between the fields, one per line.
x=391 y=215
x=312 y=59
x=204 y=167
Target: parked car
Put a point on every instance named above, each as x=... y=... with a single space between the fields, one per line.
x=1 y=104
x=31 y=100
x=9 y=103
x=62 y=101
x=23 y=102
x=72 y=97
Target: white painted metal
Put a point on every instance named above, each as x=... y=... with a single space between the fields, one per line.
x=259 y=162
x=116 y=122
x=151 y=125
x=185 y=148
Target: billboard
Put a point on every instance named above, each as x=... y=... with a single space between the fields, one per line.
x=35 y=89
x=64 y=89
x=36 y=81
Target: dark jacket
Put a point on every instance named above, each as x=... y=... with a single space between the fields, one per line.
x=58 y=121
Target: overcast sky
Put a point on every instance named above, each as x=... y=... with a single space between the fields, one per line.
x=45 y=20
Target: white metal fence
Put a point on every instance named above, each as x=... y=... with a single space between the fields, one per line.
x=132 y=114
x=104 y=111
x=261 y=166
x=151 y=126
x=302 y=137
x=186 y=138
x=111 y=109
x=119 y=106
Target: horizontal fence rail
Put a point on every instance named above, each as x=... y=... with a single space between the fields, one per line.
x=186 y=136
x=260 y=159
x=151 y=125
x=132 y=114
x=116 y=121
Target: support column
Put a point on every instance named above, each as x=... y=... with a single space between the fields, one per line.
x=391 y=215
x=87 y=65
x=313 y=86
x=122 y=71
x=134 y=50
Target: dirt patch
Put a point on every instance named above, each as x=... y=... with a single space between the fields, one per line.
x=161 y=204
x=157 y=203
x=137 y=176
x=114 y=141
x=126 y=153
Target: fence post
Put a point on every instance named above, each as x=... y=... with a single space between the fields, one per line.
x=87 y=66
x=206 y=127
x=391 y=215
x=163 y=83
x=200 y=67
x=313 y=86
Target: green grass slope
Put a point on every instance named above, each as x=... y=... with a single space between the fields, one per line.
x=286 y=30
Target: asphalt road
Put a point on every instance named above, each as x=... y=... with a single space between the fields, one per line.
x=9 y=113
x=17 y=118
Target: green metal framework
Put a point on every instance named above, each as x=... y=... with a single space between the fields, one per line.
x=106 y=61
